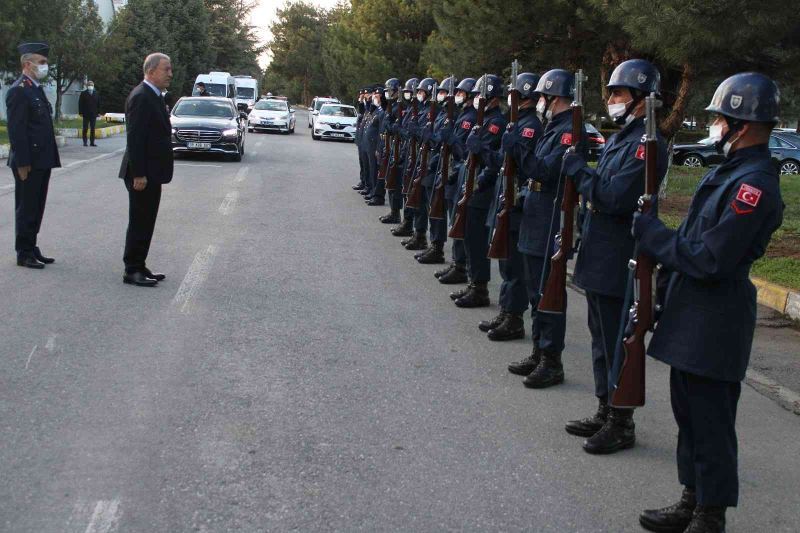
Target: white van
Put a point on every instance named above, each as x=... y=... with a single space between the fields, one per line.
x=217 y=84
x=246 y=92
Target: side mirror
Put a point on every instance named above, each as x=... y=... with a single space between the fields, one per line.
x=291 y=110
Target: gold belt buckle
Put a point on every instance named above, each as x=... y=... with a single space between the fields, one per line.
x=535 y=186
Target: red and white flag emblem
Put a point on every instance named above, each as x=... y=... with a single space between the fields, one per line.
x=566 y=139
x=466 y=125
x=494 y=128
x=748 y=195
x=528 y=133
x=640 y=152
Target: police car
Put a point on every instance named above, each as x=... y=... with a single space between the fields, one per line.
x=335 y=121
x=272 y=114
x=316 y=105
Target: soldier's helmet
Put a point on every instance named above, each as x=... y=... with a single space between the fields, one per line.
x=747 y=96
x=411 y=84
x=526 y=84
x=427 y=85
x=494 y=86
x=447 y=83
x=637 y=74
x=557 y=82
x=392 y=85
x=466 y=85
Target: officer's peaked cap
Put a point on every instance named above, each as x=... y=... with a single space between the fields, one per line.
x=43 y=49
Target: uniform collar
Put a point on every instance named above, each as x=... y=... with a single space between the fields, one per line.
x=720 y=174
x=634 y=126
x=33 y=81
x=564 y=116
x=154 y=88
x=746 y=153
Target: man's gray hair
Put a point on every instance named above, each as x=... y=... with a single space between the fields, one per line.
x=24 y=58
x=152 y=61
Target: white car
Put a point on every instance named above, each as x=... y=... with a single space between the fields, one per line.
x=271 y=115
x=316 y=104
x=335 y=121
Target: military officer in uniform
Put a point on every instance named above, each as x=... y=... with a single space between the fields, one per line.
x=404 y=127
x=705 y=331
x=368 y=130
x=519 y=140
x=374 y=129
x=33 y=151
x=362 y=166
x=612 y=192
x=391 y=92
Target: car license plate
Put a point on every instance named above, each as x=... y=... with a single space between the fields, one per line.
x=198 y=146
x=338 y=135
x=266 y=122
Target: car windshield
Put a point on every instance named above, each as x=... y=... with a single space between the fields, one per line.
x=197 y=107
x=319 y=103
x=271 y=105
x=245 y=92
x=213 y=89
x=338 y=111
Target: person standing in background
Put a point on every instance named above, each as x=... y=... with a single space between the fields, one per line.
x=88 y=105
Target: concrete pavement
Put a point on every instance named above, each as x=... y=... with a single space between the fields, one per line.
x=298 y=370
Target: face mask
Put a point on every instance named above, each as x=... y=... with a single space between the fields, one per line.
x=476 y=102
x=459 y=100
x=541 y=105
x=420 y=98
x=376 y=101
x=715 y=133
x=90 y=88
x=407 y=97
x=387 y=95
x=440 y=97
x=41 y=71
x=617 y=111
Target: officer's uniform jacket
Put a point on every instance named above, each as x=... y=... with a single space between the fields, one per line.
x=462 y=127
x=372 y=130
x=386 y=119
x=709 y=313
x=404 y=128
x=612 y=194
x=416 y=131
x=527 y=132
x=359 y=122
x=494 y=125
x=435 y=145
x=540 y=170
x=30 y=127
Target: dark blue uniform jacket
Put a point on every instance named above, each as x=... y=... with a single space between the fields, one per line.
x=494 y=125
x=30 y=127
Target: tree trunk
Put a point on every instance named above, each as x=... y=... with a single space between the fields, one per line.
x=673 y=122
x=616 y=52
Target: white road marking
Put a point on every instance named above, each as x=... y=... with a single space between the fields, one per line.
x=194 y=278
x=241 y=174
x=83 y=162
x=30 y=356
x=51 y=343
x=105 y=517
x=5 y=187
x=786 y=397
x=196 y=165
x=228 y=203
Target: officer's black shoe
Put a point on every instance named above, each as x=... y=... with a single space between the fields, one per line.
x=393 y=217
x=513 y=327
x=358 y=187
x=457 y=274
x=404 y=229
x=439 y=273
x=455 y=295
x=527 y=365
x=156 y=276
x=672 y=519
x=93 y=144
x=426 y=251
x=707 y=519
x=139 y=279
x=418 y=242
x=547 y=373
x=618 y=433
x=486 y=325
x=37 y=253
x=377 y=200
x=364 y=192
x=434 y=256
x=477 y=296
x=586 y=427
x=28 y=261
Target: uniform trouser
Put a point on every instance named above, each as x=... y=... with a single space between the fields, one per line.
x=547 y=329
x=705 y=410
x=476 y=244
x=30 y=197
x=514 y=288
x=438 y=225
x=372 y=174
x=421 y=212
x=457 y=250
x=88 y=123
x=363 y=166
x=380 y=185
x=142 y=213
x=605 y=318
x=396 y=199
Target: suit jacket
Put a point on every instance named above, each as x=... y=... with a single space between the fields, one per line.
x=88 y=104
x=149 y=149
x=30 y=127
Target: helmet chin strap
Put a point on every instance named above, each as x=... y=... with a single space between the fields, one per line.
x=734 y=126
x=638 y=96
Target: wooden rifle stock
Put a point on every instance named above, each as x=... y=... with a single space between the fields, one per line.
x=412 y=153
x=383 y=169
x=391 y=177
x=438 y=211
x=414 y=200
x=553 y=293
x=629 y=389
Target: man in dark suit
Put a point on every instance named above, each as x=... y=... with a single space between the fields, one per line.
x=33 y=151
x=88 y=104
x=146 y=165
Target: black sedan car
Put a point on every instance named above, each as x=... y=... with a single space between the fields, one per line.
x=784 y=148
x=699 y=154
x=208 y=125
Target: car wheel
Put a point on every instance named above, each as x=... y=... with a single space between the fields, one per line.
x=694 y=161
x=315 y=137
x=790 y=167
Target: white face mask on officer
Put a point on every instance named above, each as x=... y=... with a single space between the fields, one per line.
x=440 y=97
x=420 y=97
x=716 y=135
x=616 y=111
x=90 y=88
x=407 y=96
x=376 y=101
x=459 y=99
x=41 y=71
x=476 y=102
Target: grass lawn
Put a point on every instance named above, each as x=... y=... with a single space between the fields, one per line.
x=69 y=123
x=781 y=263
x=3 y=133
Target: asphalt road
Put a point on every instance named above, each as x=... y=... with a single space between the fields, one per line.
x=299 y=371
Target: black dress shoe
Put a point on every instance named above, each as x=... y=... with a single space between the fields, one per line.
x=38 y=255
x=93 y=145
x=153 y=275
x=672 y=519
x=29 y=261
x=618 y=433
x=512 y=328
x=139 y=279
x=707 y=519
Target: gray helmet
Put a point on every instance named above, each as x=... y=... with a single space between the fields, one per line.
x=557 y=82
x=446 y=83
x=747 y=96
x=636 y=74
x=526 y=84
x=427 y=85
x=466 y=85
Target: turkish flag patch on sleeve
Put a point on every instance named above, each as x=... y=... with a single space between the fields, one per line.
x=640 y=152
x=465 y=125
x=494 y=128
x=566 y=138
x=528 y=133
x=748 y=195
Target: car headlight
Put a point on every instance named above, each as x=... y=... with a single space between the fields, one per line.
x=174 y=131
x=233 y=132
x=323 y=122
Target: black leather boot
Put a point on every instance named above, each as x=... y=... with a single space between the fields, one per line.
x=393 y=217
x=417 y=242
x=426 y=251
x=486 y=325
x=513 y=327
x=364 y=192
x=404 y=229
x=376 y=200
x=477 y=296
x=586 y=427
x=527 y=365
x=457 y=274
x=672 y=519
x=358 y=187
x=441 y=272
x=455 y=295
x=618 y=433
x=707 y=519
x=434 y=256
x=547 y=373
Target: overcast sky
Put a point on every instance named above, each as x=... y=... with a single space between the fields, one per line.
x=264 y=15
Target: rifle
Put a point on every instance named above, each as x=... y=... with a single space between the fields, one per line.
x=629 y=390
x=552 y=300
x=438 y=211
x=391 y=177
x=412 y=151
x=415 y=196
x=459 y=227
x=499 y=248
x=385 y=160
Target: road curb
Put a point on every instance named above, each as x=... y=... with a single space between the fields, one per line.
x=781 y=299
x=99 y=133
x=4 y=149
